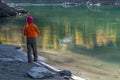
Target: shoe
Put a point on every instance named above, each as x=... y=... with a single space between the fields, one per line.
x=30 y=61
x=35 y=60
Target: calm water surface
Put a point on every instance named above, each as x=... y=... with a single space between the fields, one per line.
x=94 y=32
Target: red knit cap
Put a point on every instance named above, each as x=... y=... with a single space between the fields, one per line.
x=29 y=19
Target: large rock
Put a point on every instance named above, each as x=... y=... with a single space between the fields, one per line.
x=6 y=11
x=39 y=72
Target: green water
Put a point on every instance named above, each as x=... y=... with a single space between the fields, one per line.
x=81 y=29
x=94 y=32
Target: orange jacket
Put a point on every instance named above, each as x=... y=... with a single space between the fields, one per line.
x=31 y=31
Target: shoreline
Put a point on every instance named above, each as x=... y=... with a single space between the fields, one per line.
x=18 y=66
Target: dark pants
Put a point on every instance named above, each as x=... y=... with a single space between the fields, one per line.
x=31 y=49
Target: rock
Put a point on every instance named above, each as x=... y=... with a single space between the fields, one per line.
x=6 y=11
x=65 y=73
x=39 y=72
x=20 y=10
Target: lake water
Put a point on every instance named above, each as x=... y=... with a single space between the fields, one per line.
x=79 y=35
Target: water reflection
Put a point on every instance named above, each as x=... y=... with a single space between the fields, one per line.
x=46 y=38
x=104 y=37
x=10 y=34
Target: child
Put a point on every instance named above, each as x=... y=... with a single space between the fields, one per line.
x=31 y=32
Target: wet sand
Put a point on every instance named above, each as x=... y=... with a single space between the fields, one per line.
x=81 y=65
